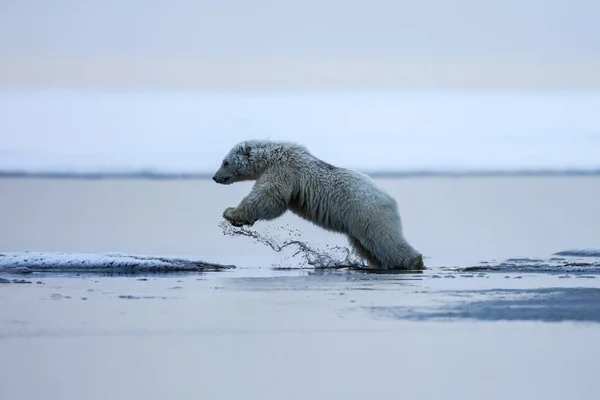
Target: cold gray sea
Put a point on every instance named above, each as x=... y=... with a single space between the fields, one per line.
x=136 y=289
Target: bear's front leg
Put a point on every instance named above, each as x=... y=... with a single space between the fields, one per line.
x=262 y=203
x=235 y=218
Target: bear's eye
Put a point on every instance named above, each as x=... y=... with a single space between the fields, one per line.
x=225 y=163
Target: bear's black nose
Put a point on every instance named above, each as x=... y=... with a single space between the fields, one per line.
x=215 y=178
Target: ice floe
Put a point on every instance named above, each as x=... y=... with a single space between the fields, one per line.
x=25 y=262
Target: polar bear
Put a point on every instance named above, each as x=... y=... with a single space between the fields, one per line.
x=288 y=177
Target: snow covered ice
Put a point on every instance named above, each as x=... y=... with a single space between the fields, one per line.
x=24 y=262
x=180 y=132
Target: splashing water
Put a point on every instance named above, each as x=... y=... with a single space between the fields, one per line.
x=293 y=252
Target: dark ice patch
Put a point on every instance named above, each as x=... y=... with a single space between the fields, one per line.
x=579 y=253
x=58 y=296
x=528 y=265
x=131 y=297
x=544 y=305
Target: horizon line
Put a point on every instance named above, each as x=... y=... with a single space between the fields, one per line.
x=157 y=175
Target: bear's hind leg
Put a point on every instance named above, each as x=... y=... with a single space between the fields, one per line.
x=363 y=252
x=394 y=253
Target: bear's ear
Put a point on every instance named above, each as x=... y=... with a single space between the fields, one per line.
x=246 y=149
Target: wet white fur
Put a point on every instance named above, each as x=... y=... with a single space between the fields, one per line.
x=289 y=177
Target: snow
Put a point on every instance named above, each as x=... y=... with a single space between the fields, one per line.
x=179 y=132
x=25 y=262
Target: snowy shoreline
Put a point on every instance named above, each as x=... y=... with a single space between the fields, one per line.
x=166 y=132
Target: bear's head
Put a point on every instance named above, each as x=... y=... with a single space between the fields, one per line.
x=248 y=160
x=240 y=164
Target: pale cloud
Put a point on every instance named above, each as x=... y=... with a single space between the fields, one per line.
x=309 y=45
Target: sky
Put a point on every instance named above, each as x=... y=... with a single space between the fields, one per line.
x=301 y=45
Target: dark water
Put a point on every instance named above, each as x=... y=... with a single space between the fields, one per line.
x=547 y=305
